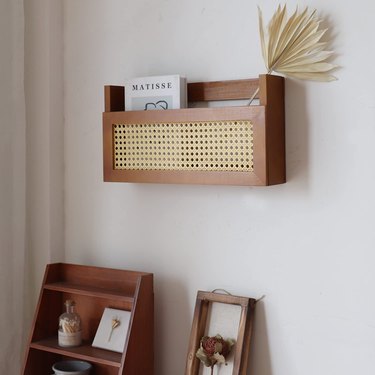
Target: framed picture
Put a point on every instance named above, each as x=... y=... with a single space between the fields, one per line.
x=228 y=316
x=112 y=331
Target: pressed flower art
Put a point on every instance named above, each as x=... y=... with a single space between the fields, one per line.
x=214 y=350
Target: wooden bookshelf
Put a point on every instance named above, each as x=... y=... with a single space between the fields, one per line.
x=93 y=289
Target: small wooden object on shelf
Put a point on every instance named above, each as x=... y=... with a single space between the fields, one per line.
x=93 y=289
x=231 y=145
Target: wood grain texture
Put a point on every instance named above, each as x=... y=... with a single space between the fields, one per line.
x=141 y=344
x=222 y=90
x=197 y=332
x=114 y=98
x=253 y=113
x=268 y=121
x=93 y=289
x=272 y=97
x=198 y=329
x=197 y=92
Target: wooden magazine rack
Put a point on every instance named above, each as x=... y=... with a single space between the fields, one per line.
x=242 y=145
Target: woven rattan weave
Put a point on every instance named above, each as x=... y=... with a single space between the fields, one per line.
x=185 y=146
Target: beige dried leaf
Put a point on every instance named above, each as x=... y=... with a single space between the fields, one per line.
x=293 y=46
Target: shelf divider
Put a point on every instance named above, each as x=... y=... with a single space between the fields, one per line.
x=84 y=352
x=88 y=291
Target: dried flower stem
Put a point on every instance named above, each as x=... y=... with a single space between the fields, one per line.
x=115 y=323
x=293 y=46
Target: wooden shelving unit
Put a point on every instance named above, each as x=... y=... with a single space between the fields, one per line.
x=241 y=145
x=93 y=289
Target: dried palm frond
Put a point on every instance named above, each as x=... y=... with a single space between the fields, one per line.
x=292 y=46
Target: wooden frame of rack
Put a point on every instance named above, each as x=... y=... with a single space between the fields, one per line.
x=267 y=127
x=241 y=347
x=93 y=289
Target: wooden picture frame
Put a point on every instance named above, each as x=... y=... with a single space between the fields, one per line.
x=199 y=327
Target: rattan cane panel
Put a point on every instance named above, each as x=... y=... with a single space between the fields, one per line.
x=184 y=146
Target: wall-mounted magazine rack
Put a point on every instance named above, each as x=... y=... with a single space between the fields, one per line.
x=242 y=145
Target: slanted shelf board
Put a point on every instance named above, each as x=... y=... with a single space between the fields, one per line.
x=93 y=289
x=84 y=352
x=242 y=145
x=89 y=291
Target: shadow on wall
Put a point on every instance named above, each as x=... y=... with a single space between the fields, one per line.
x=297 y=131
x=260 y=356
x=173 y=317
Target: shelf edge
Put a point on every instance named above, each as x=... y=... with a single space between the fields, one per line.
x=74 y=354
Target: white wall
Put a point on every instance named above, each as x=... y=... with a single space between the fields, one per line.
x=307 y=245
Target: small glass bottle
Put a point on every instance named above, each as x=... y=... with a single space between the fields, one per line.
x=70 y=332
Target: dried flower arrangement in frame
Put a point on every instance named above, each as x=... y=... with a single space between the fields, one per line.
x=214 y=351
x=113 y=329
x=237 y=350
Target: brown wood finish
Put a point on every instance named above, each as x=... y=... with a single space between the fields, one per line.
x=197 y=92
x=140 y=323
x=222 y=90
x=255 y=113
x=242 y=345
x=197 y=332
x=114 y=98
x=272 y=97
x=93 y=289
x=268 y=125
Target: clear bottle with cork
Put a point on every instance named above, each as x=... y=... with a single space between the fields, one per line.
x=70 y=330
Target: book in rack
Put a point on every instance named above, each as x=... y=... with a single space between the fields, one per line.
x=155 y=93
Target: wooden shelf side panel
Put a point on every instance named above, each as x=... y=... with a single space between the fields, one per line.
x=114 y=98
x=272 y=90
x=139 y=353
x=47 y=315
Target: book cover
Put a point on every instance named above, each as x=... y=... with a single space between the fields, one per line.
x=155 y=93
